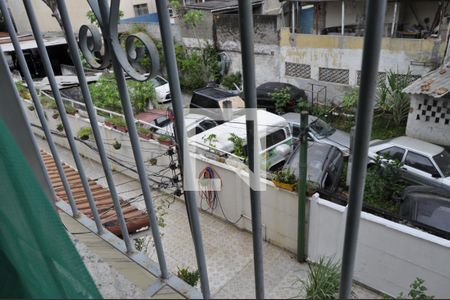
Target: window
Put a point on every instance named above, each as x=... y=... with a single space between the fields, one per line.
x=273 y=138
x=295 y=131
x=208 y=124
x=140 y=9
x=395 y=153
x=420 y=162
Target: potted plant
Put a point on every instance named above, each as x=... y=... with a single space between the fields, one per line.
x=285 y=179
x=165 y=140
x=311 y=188
x=144 y=133
x=117 y=145
x=70 y=109
x=117 y=123
x=153 y=161
x=55 y=115
x=31 y=107
x=60 y=127
x=84 y=133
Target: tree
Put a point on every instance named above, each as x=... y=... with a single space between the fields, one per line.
x=55 y=12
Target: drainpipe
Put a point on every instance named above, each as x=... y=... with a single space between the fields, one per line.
x=394 y=19
x=342 y=17
x=301 y=240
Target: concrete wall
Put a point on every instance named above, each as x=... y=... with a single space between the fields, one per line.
x=429 y=130
x=153 y=30
x=389 y=256
x=150 y=148
x=278 y=206
x=345 y=52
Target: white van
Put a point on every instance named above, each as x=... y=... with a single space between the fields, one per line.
x=275 y=139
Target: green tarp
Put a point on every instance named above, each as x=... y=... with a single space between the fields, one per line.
x=37 y=257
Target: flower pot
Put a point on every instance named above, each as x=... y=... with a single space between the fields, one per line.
x=145 y=136
x=286 y=186
x=166 y=142
x=84 y=137
x=121 y=128
x=108 y=123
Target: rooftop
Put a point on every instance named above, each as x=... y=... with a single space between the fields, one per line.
x=436 y=83
x=219 y=6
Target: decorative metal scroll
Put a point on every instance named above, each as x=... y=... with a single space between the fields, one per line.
x=98 y=55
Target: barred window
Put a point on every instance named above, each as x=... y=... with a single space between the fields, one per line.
x=297 y=70
x=334 y=75
x=381 y=78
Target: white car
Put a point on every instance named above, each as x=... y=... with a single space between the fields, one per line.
x=162 y=89
x=194 y=124
x=424 y=163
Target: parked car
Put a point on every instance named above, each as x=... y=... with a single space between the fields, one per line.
x=213 y=102
x=427 y=205
x=320 y=131
x=162 y=89
x=194 y=124
x=424 y=163
x=265 y=101
x=325 y=164
x=274 y=135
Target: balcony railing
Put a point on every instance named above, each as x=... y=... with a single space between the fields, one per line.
x=107 y=43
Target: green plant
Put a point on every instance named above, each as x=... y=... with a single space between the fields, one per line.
x=117 y=145
x=190 y=277
x=60 y=127
x=281 y=97
x=232 y=80
x=105 y=94
x=193 y=18
x=383 y=185
x=84 y=133
x=139 y=244
x=210 y=139
x=312 y=187
x=285 y=176
x=238 y=145
x=417 y=290
x=116 y=122
x=93 y=19
x=350 y=100
x=302 y=104
x=70 y=109
x=48 y=102
x=144 y=132
x=24 y=92
x=322 y=281
x=31 y=107
x=55 y=115
x=164 y=137
x=153 y=161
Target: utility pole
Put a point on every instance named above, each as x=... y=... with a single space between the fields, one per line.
x=303 y=166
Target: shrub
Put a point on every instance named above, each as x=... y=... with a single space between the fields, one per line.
x=350 y=100
x=285 y=176
x=116 y=121
x=144 y=132
x=232 y=80
x=238 y=144
x=302 y=104
x=190 y=277
x=84 y=133
x=281 y=97
x=322 y=281
x=417 y=290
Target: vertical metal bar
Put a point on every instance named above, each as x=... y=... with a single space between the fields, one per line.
x=180 y=130
x=364 y=116
x=12 y=114
x=37 y=104
x=303 y=165
x=292 y=17
x=73 y=47
x=342 y=17
x=248 y=64
x=62 y=113
x=136 y=147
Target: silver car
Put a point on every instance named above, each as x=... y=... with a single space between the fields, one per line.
x=320 y=131
x=325 y=164
x=424 y=163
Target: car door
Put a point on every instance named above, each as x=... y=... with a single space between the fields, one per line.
x=420 y=169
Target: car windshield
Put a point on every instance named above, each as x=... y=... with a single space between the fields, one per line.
x=157 y=81
x=443 y=162
x=322 y=128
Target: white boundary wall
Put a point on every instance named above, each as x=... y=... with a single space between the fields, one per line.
x=389 y=256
